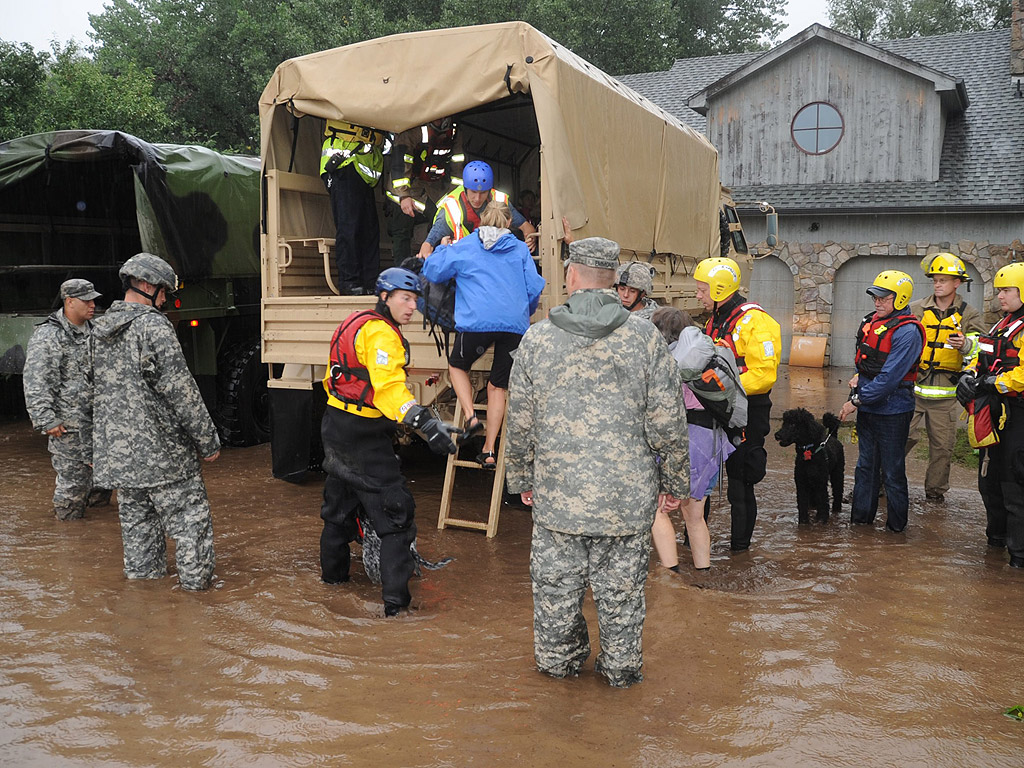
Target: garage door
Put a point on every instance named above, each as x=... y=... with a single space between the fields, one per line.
x=851 y=303
x=771 y=286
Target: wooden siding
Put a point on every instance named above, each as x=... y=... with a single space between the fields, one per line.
x=893 y=122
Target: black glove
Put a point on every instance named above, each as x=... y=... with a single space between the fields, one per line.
x=437 y=434
x=988 y=386
x=967 y=389
x=413 y=263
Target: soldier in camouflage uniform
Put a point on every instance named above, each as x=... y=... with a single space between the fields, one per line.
x=58 y=394
x=634 y=282
x=596 y=431
x=150 y=422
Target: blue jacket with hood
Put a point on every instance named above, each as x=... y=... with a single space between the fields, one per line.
x=496 y=282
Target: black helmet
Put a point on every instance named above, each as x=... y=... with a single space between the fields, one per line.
x=398 y=279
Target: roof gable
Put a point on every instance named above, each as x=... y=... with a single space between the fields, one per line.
x=950 y=89
x=982 y=161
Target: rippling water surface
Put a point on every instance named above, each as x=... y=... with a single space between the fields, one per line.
x=822 y=646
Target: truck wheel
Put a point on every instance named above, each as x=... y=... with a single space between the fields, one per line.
x=243 y=404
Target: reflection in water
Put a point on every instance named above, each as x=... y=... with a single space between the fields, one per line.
x=822 y=646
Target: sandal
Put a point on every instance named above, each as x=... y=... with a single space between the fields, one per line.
x=482 y=459
x=473 y=427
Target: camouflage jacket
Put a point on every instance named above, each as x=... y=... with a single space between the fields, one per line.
x=650 y=306
x=58 y=386
x=596 y=421
x=150 y=419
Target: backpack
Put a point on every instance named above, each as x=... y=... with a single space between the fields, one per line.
x=711 y=373
x=437 y=305
x=986 y=416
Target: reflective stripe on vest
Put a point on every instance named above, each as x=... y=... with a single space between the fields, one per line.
x=349 y=377
x=368 y=159
x=726 y=331
x=874 y=343
x=455 y=216
x=998 y=353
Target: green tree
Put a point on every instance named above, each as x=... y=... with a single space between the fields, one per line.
x=896 y=19
x=77 y=93
x=211 y=59
x=22 y=74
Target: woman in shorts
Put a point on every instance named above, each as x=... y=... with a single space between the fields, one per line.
x=709 y=448
x=496 y=290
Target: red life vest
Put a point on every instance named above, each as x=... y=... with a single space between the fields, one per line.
x=997 y=352
x=349 y=378
x=722 y=331
x=874 y=343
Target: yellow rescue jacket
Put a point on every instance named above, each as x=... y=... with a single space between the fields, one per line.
x=380 y=348
x=754 y=338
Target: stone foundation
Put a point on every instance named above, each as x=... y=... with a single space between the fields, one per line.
x=814 y=267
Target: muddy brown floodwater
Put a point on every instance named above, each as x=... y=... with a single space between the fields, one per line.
x=822 y=646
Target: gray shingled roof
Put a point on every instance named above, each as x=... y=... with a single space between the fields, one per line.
x=982 y=163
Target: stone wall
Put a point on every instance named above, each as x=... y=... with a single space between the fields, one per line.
x=814 y=267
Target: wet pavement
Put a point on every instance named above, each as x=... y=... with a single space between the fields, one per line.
x=821 y=646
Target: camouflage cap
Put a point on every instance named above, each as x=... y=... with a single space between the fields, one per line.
x=77 y=288
x=596 y=252
x=636 y=275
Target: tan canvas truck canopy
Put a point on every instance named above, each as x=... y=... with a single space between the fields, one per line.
x=608 y=160
x=611 y=161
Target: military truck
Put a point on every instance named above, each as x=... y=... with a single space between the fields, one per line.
x=79 y=203
x=602 y=156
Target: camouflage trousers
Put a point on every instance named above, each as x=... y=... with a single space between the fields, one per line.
x=180 y=510
x=74 y=481
x=562 y=566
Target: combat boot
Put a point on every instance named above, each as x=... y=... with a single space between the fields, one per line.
x=69 y=512
x=99 y=497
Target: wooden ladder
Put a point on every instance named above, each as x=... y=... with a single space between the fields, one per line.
x=444 y=518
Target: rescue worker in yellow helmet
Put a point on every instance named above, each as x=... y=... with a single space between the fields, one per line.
x=997 y=370
x=458 y=212
x=351 y=161
x=425 y=165
x=889 y=346
x=951 y=328
x=755 y=340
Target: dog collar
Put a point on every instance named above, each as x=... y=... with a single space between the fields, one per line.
x=808 y=451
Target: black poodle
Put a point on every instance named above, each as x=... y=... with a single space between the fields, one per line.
x=819 y=461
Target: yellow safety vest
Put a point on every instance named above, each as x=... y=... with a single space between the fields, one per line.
x=938 y=355
x=454 y=215
x=359 y=146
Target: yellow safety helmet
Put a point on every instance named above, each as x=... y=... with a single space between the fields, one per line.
x=721 y=274
x=945 y=264
x=892 y=281
x=1010 y=276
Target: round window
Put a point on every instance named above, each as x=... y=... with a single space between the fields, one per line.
x=817 y=128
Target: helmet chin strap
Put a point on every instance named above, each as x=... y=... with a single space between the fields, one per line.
x=151 y=297
x=383 y=309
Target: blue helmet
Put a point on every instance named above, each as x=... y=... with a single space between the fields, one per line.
x=398 y=279
x=478 y=176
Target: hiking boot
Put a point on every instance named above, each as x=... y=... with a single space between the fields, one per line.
x=938 y=498
x=995 y=541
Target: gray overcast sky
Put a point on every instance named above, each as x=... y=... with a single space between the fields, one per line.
x=37 y=22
